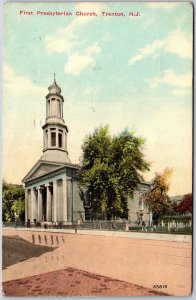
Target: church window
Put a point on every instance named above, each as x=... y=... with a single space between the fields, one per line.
x=48 y=107
x=46 y=141
x=53 y=106
x=65 y=140
x=59 y=108
x=53 y=137
x=60 y=140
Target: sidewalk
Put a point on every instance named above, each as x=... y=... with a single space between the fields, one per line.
x=127 y=234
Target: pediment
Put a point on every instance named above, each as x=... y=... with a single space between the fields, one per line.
x=44 y=168
x=41 y=168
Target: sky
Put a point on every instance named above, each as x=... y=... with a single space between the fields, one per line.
x=124 y=71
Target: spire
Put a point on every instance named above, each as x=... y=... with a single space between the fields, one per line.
x=54 y=88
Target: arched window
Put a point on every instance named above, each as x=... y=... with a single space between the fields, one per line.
x=65 y=141
x=46 y=138
x=59 y=108
x=53 y=137
x=60 y=133
x=53 y=110
x=48 y=111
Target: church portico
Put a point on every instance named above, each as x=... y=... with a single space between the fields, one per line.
x=48 y=202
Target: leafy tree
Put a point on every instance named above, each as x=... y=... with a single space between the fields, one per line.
x=186 y=205
x=111 y=170
x=13 y=202
x=157 y=198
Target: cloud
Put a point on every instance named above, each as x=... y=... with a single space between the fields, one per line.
x=182 y=92
x=23 y=116
x=58 y=44
x=148 y=50
x=19 y=85
x=178 y=42
x=168 y=135
x=65 y=38
x=171 y=78
x=93 y=49
x=78 y=62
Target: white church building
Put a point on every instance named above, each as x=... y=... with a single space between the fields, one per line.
x=52 y=194
x=51 y=190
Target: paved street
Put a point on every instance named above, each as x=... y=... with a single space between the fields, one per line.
x=137 y=261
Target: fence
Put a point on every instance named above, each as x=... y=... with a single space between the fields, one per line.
x=98 y=225
x=184 y=228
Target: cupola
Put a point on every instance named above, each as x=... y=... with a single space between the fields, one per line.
x=54 y=130
x=54 y=88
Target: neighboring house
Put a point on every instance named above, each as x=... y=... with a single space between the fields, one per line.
x=138 y=211
x=177 y=199
x=51 y=190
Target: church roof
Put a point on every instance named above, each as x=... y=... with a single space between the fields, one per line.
x=46 y=168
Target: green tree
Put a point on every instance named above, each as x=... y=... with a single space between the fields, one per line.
x=111 y=170
x=13 y=202
x=157 y=198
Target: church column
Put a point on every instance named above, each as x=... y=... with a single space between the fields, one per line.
x=48 y=204
x=66 y=141
x=64 y=199
x=69 y=199
x=40 y=204
x=35 y=204
x=29 y=204
x=26 y=205
x=63 y=140
x=32 y=205
x=55 y=207
x=44 y=140
x=57 y=137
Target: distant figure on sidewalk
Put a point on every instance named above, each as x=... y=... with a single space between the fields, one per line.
x=127 y=226
x=144 y=226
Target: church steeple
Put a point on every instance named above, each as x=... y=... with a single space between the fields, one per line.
x=54 y=88
x=54 y=130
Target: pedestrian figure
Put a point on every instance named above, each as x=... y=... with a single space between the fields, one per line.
x=143 y=225
x=127 y=226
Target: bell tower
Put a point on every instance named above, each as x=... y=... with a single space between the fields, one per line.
x=54 y=130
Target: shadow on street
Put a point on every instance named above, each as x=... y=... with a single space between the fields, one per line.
x=15 y=249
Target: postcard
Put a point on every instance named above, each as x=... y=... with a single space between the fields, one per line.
x=97 y=148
